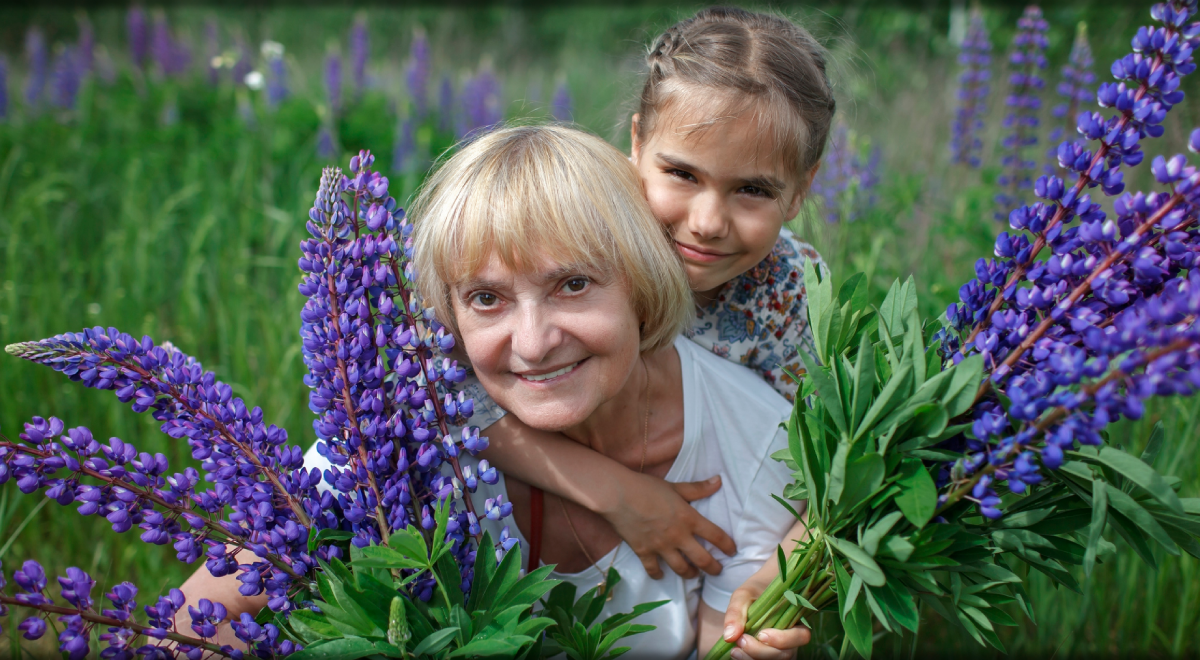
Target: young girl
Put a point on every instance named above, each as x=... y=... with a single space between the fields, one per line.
x=730 y=129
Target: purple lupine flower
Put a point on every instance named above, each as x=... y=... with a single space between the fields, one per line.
x=212 y=50
x=481 y=102
x=35 y=50
x=561 y=107
x=277 y=89
x=1075 y=88
x=333 y=81
x=405 y=149
x=975 y=58
x=3 y=88
x=381 y=396
x=1079 y=339
x=171 y=57
x=416 y=74
x=446 y=105
x=244 y=63
x=86 y=51
x=139 y=39
x=359 y=51
x=66 y=79
x=1027 y=59
x=325 y=146
x=845 y=184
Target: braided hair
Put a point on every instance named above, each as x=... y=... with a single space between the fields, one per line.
x=750 y=59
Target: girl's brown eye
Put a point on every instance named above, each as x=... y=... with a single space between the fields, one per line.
x=576 y=284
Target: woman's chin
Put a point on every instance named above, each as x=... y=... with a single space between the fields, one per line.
x=553 y=416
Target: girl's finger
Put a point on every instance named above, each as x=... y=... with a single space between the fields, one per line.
x=756 y=650
x=735 y=614
x=785 y=640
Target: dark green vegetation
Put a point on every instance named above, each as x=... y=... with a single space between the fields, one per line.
x=188 y=232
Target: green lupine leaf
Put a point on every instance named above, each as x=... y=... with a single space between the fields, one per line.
x=1137 y=472
x=918 y=499
x=876 y=532
x=1154 y=444
x=328 y=535
x=837 y=475
x=863 y=564
x=378 y=556
x=801 y=442
x=346 y=648
x=864 y=476
x=1099 y=521
x=895 y=391
x=1129 y=507
x=435 y=642
x=312 y=626
x=411 y=543
x=827 y=390
x=898 y=604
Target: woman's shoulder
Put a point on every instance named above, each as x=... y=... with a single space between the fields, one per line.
x=729 y=388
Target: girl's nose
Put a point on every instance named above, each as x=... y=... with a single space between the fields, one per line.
x=708 y=217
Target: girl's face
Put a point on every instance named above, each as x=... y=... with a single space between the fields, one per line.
x=551 y=345
x=720 y=190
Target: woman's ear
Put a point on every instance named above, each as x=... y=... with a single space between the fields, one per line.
x=802 y=191
x=635 y=150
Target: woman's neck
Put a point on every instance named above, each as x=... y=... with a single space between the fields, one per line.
x=618 y=427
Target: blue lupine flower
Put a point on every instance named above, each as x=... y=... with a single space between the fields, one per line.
x=86 y=50
x=481 y=105
x=561 y=107
x=333 y=81
x=171 y=57
x=3 y=88
x=1079 y=338
x=1075 y=89
x=359 y=50
x=35 y=50
x=845 y=184
x=277 y=88
x=135 y=23
x=416 y=75
x=975 y=58
x=66 y=79
x=446 y=105
x=1027 y=59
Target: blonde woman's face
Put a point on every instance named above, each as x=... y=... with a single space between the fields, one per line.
x=549 y=346
x=720 y=191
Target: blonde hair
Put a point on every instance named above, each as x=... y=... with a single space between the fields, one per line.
x=745 y=61
x=524 y=193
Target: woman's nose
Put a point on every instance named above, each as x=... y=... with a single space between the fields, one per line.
x=535 y=335
x=708 y=217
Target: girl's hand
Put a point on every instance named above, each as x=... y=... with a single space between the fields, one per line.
x=769 y=644
x=653 y=516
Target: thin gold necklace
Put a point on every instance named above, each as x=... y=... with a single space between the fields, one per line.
x=641 y=467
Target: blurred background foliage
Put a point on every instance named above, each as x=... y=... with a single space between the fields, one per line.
x=171 y=204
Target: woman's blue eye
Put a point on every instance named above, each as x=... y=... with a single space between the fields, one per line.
x=576 y=284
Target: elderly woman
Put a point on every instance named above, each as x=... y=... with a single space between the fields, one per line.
x=536 y=246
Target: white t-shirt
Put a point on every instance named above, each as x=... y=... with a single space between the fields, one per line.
x=731 y=427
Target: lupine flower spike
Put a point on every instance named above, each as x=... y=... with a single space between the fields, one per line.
x=845 y=184
x=35 y=51
x=139 y=40
x=359 y=50
x=333 y=81
x=561 y=107
x=416 y=74
x=974 y=83
x=1027 y=60
x=1078 y=339
x=1075 y=89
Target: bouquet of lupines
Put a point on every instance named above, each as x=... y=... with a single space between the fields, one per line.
x=381 y=555
x=937 y=456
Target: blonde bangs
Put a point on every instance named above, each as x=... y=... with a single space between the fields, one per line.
x=527 y=194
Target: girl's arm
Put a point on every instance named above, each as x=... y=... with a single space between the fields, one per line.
x=651 y=515
x=222 y=590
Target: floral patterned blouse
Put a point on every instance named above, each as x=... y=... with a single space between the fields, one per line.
x=760 y=319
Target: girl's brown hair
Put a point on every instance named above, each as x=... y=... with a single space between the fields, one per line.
x=754 y=61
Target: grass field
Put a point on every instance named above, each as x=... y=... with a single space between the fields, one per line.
x=187 y=231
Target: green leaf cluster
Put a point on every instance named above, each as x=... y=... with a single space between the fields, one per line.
x=365 y=609
x=876 y=411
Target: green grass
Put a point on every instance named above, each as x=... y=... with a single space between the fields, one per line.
x=188 y=233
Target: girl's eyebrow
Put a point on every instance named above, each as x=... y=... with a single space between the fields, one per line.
x=767 y=183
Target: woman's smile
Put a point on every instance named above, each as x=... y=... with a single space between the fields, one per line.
x=546 y=377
